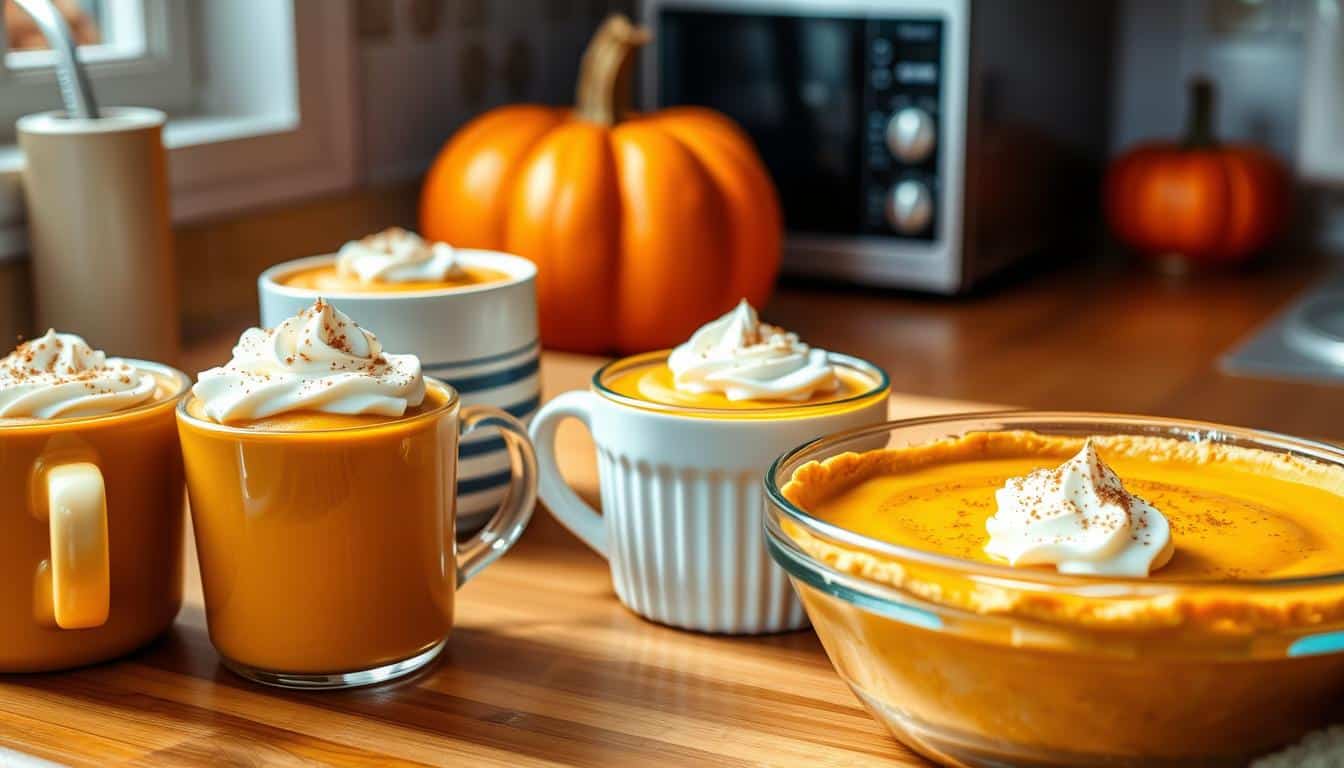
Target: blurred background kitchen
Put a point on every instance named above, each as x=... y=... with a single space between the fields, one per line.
x=959 y=180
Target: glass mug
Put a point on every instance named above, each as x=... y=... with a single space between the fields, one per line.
x=90 y=532
x=328 y=557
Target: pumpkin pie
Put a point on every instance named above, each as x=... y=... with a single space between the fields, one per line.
x=1223 y=643
x=1235 y=513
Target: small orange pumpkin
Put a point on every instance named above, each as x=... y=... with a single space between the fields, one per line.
x=642 y=228
x=1198 y=203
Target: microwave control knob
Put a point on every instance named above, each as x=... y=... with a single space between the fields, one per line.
x=909 y=207
x=911 y=135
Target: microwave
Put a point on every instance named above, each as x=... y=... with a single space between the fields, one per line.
x=915 y=144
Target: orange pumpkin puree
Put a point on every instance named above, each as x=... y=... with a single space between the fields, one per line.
x=329 y=281
x=654 y=383
x=1235 y=514
x=1228 y=522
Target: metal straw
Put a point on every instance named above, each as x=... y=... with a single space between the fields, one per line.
x=75 y=89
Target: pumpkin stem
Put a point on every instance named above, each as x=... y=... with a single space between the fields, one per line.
x=604 y=92
x=1199 y=125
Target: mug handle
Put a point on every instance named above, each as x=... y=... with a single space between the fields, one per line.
x=564 y=503
x=510 y=520
x=74 y=586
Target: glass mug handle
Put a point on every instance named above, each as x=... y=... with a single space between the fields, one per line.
x=564 y=503
x=74 y=586
x=510 y=520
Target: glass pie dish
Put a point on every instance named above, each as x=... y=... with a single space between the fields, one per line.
x=979 y=664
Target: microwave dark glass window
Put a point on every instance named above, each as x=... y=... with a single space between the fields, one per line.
x=796 y=85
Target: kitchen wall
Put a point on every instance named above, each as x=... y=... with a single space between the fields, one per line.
x=430 y=65
x=427 y=66
x=1253 y=51
x=218 y=261
x=14 y=306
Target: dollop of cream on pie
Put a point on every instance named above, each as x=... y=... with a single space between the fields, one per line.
x=396 y=255
x=319 y=361
x=745 y=359
x=60 y=376
x=1079 y=518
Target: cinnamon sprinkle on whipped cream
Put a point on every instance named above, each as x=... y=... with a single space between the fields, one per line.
x=319 y=360
x=1079 y=518
x=59 y=376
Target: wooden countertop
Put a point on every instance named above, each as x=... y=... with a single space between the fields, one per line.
x=1102 y=335
x=544 y=667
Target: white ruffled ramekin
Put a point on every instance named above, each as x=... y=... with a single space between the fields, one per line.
x=682 y=498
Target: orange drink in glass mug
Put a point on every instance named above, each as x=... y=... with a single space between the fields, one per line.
x=321 y=472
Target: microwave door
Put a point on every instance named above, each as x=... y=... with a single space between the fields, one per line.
x=794 y=84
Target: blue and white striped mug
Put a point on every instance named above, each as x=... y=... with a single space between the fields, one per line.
x=480 y=339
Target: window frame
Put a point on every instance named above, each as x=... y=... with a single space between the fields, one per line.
x=274 y=116
x=161 y=68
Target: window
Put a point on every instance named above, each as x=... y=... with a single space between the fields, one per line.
x=103 y=29
x=135 y=51
x=235 y=77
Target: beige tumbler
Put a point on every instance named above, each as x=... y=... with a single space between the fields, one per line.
x=102 y=241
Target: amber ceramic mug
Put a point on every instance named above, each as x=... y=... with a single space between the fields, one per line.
x=327 y=556
x=90 y=532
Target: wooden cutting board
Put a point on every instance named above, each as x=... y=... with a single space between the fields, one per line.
x=544 y=668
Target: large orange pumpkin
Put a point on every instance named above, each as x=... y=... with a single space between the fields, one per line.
x=642 y=227
x=1199 y=202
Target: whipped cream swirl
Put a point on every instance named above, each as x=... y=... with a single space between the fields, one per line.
x=746 y=359
x=319 y=360
x=1079 y=518
x=397 y=256
x=59 y=376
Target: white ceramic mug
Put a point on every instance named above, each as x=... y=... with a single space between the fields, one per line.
x=480 y=339
x=682 y=498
